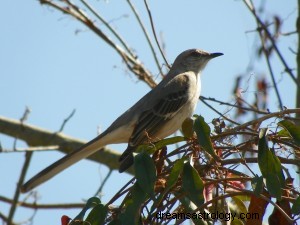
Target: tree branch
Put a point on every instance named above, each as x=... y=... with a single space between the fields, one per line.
x=261 y=24
x=35 y=136
x=43 y=206
x=259 y=120
x=132 y=63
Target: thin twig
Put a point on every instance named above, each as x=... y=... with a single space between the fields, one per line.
x=154 y=34
x=104 y=182
x=25 y=114
x=120 y=192
x=19 y=184
x=259 y=120
x=66 y=120
x=5 y=219
x=250 y=6
x=109 y=27
x=22 y=120
x=254 y=160
x=267 y=57
x=43 y=206
x=137 y=16
x=234 y=105
x=216 y=111
x=132 y=63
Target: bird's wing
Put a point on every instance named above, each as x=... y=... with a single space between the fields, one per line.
x=174 y=96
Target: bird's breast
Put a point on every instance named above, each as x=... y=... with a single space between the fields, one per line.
x=185 y=112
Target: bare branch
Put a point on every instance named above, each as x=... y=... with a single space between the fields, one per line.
x=103 y=183
x=5 y=219
x=66 y=120
x=261 y=24
x=154 y=34
x=224 y=162
x=43 y=206
x=35 y=136
x=31 y=149
x=118 y=36
x=216 y=111
x=13 y=208
x=253 y=109
x=133 y=64
x=137 y=16
x=267 y=57
x=259 y=120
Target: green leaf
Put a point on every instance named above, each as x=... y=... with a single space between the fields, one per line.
x=175 y=172
x=187 y=127
x=145 y=172
x=115 y=222
x=91 y=203
x=171 y=181
x=192 y=184
x=97 y=215
x=284 y=133
x=239 y=204
x=131 y=214
x=203 y=134
x=273 y=185
x=257 y=184
x=160 y=144
x=186 y=203
x=296 y=207
x=270 y=166
x=293 y=130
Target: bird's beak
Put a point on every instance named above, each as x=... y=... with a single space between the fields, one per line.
x=214 y=55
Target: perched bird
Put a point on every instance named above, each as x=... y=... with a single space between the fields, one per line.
x=156 y=115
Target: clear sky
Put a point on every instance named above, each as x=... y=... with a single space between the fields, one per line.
x=52 y=64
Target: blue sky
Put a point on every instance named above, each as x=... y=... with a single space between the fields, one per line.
x=48 y=66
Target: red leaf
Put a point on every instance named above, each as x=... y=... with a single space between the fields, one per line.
x=65 y=220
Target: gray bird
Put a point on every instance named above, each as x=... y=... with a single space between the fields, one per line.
x=156 y=115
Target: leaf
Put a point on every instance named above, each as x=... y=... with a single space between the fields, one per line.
x=160 y=144
x=296 y=206
x=257 y=207
x=270 y=166
x=192 y=184
x=97 y=215
x=293 y=130
x=203 y=134
x=257 y=184
x=65 y=220
x=115 y=222
x=239 y=204
x=284 y=133
x=186 y=203
x=175 y=172
x=131 y=214
x=187 y=127
x=169 y=141
x=277 y=217
x=91 y=203
x=171 y=181
x=145 y=172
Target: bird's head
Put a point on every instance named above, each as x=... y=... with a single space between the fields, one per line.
x=193 y=60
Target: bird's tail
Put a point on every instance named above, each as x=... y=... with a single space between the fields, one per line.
x=65 y=162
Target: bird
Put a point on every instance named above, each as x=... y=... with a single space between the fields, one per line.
x=156 y=115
